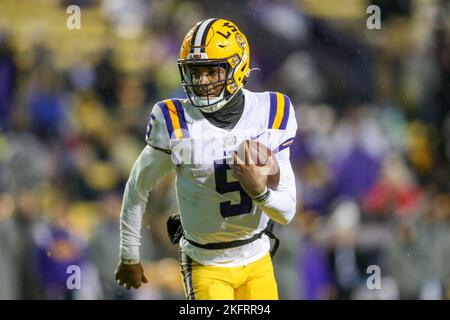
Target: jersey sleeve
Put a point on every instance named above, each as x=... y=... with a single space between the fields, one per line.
x=150 y=167
x=281 y=203
x=167 y=124
x=282 y=121
x=157 y=135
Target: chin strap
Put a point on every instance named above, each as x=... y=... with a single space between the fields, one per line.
x=214 y=108
x=219 y=105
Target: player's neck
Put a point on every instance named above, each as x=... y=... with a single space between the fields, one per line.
x=229 y=115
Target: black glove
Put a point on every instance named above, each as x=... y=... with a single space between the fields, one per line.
x=174 y=228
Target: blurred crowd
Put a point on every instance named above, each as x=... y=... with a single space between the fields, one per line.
x=371 y=158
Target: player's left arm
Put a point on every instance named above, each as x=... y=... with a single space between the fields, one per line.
x=280 y=204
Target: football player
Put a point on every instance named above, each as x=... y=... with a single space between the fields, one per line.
x=225 y=205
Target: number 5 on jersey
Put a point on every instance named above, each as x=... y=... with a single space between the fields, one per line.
x=224 y=186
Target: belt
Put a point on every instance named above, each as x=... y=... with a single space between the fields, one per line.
x=238 y=243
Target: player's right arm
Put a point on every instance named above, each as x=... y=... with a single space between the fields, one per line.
x=152 y=165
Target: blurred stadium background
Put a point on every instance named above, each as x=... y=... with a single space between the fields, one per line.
x=371 y=157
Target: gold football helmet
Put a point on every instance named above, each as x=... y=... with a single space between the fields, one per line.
x=218 y=43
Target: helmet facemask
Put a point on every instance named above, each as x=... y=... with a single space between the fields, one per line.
x=209 y=96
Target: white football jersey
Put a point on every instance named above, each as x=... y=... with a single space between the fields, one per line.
x=212 y=203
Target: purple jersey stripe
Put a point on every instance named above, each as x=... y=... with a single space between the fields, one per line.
x=287 y=107
x=165 y=112
x=273 y=108
x=181 y=117
x=286 y=144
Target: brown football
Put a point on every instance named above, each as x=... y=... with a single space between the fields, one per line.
x=259 y=155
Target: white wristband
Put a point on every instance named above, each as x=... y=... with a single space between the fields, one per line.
x=262 y=196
